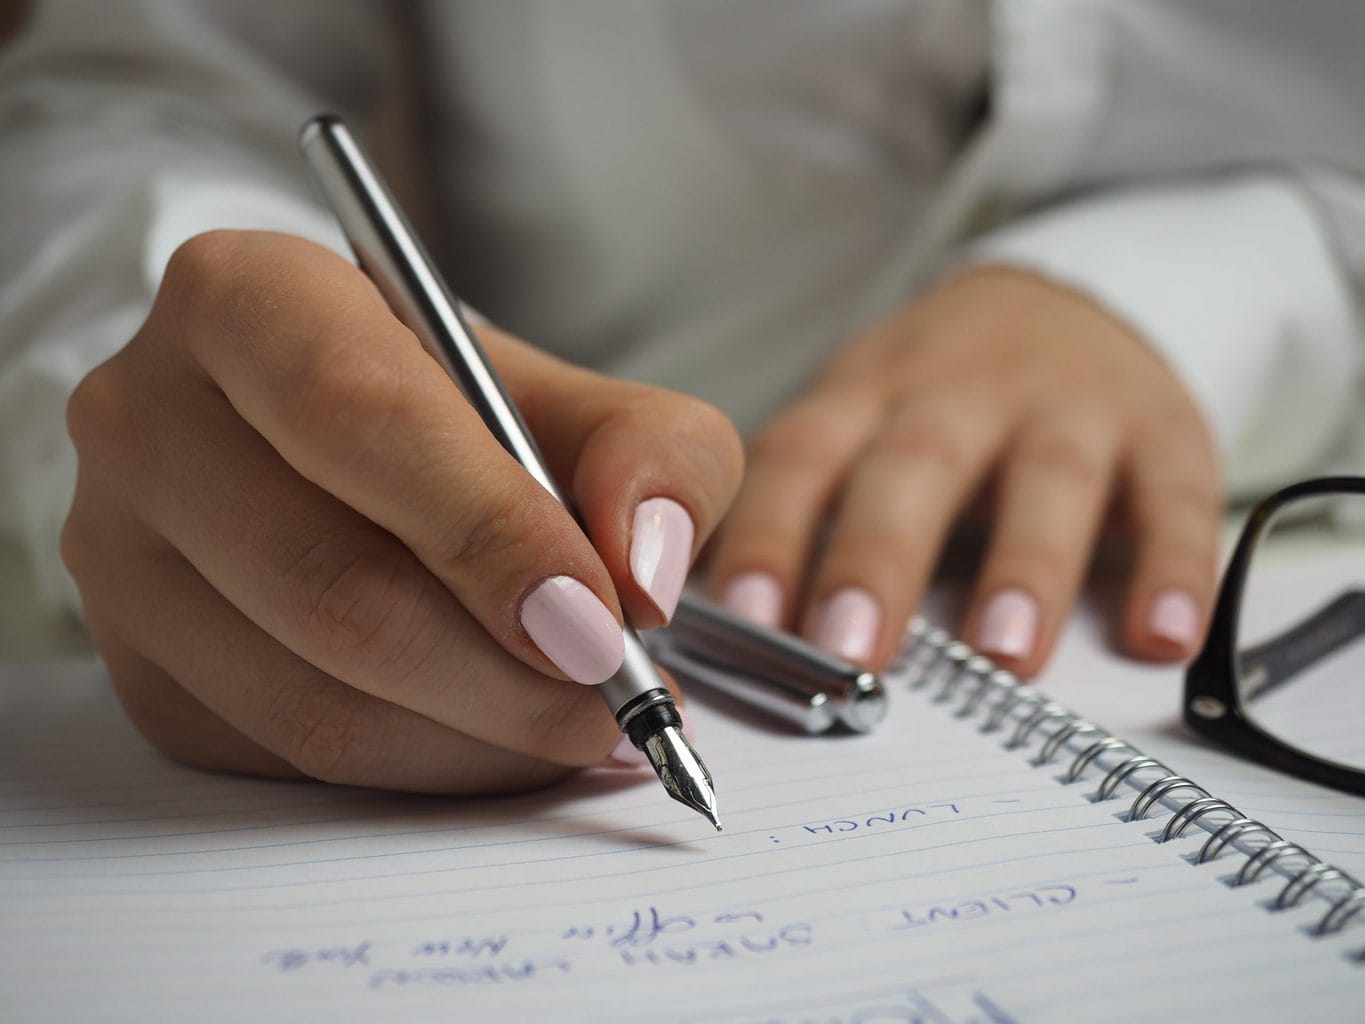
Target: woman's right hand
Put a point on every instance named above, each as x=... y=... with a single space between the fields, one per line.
x=300 y=552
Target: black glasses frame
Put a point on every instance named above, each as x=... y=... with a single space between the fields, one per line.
x=1213 y=701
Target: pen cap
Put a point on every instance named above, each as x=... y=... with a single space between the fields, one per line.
x=809 y=709
x=773 y=659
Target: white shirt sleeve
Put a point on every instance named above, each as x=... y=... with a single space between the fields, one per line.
x=126 y=127
x=1235 y=282
x=1197 y=167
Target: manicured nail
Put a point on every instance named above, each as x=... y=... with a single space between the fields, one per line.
x=1009 y=625
x=661 y=551
x=1174 y=617
x=574 y=630
x=756 y=596
x=848 y=624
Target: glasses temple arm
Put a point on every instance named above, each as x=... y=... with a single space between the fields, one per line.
x=1274 y=662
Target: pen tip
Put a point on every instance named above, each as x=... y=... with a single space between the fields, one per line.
x=681 y=771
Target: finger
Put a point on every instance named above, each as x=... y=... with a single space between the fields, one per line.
x=313 y=574
x=174 y=722
x=795 y=467
x=319 y=726
x=652 y=471
x=894 y=514
x=306 y=352
x=1174 y=498
x=1054 y=487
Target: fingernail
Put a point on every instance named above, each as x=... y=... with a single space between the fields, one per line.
x=756 y=596
x=848 y=624
x=661 y=551
x=1009 y=625
x=1174 y=617
x=574 y=630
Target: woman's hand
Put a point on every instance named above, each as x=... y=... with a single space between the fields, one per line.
x=301 y=552
x=993 y=375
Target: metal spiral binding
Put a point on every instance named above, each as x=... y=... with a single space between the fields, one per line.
x=1054 y=743
x=1152 y=795
x=1230 y=831
x=1258 y=862
x=1192 y=812
x=1026 y=727
x=998 y=678
x=951 y=670
x=931 y=659
x=1122 y=770
x=1089 y=754
x=1304 y=881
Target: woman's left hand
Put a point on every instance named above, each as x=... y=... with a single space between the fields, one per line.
x=993 y=375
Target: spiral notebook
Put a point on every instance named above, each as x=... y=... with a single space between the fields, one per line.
x=955 y=866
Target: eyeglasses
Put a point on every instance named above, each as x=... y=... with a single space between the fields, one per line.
x=1281 y=678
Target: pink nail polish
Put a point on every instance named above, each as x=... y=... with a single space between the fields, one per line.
x=661 y=551
x=1009 y=625
x=574 y=630
x=1174 y=617
x=756 y=596
x=848 y=624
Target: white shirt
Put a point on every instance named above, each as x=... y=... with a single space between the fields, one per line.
x=713 y=195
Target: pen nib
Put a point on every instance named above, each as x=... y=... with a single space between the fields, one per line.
x=682 y=772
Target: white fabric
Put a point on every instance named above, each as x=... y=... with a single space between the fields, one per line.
x=713 y=195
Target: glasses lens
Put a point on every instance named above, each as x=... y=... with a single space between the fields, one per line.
x=1301 y=632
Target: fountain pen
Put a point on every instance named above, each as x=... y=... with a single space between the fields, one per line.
x=389 y=252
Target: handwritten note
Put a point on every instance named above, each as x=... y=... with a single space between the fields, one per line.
x=922 y=873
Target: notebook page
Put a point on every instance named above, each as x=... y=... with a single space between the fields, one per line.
x=922 y=873
x=1142 y=704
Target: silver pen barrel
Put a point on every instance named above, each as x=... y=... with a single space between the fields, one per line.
x=389 y=251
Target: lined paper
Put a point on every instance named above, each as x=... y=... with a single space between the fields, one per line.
x=1141 y=703
x=920 y=873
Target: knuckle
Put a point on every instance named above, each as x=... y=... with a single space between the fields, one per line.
x=78 y=552
x=99 y=415
x=1195 y=503
x=489 y=532
x=365 y=610
x=327 y=739
x=1064 y=459
x=203 y=269
x=797 y=438
x=341 y=397
x=925 y=440
x=1181 y=508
